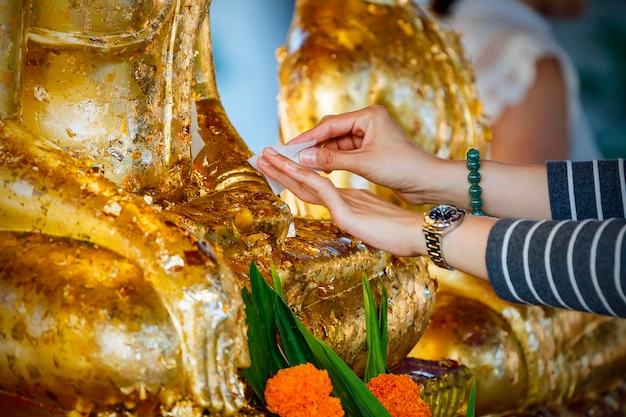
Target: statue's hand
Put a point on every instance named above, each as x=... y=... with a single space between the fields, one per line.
x=229 y=201
x=239 y=217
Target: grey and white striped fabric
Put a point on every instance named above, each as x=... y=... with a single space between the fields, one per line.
x=577 y=260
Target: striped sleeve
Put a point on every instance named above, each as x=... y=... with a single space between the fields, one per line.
x=575 y=260
x=587 y=190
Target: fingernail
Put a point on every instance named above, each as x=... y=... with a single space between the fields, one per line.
x=271 y=151
x=262 y=161
x=291 y=167
x=308 y=156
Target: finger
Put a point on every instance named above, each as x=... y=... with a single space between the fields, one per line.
x=328 y=159
x=314 y=188
x=335 y=126
x=348 y=143
x=275 y=166
x=306 y=184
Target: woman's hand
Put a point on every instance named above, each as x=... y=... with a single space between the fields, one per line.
x=377 y=222
x=360 y=213
x=370 y=143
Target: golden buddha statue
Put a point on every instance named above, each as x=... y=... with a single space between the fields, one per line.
x=122 y=258
x=344 y=55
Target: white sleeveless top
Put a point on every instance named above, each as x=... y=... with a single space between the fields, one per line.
x=504 y=39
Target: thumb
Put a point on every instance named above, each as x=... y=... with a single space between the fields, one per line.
x=327 y=159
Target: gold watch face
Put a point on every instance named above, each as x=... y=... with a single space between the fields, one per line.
x=444 y=215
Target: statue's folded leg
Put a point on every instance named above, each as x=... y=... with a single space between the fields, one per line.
x=47 y=192
x=81 y=329
x=85 y=332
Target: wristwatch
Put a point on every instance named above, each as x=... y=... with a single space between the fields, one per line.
x=437 y=222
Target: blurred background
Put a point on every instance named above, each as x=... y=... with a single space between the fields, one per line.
x=246 y=34
x=596 y=43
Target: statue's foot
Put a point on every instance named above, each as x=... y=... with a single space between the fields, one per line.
x=321 y=272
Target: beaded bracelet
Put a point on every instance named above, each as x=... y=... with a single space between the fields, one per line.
x=475 y=190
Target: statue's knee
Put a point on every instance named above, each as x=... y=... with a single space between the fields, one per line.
x=80 y=326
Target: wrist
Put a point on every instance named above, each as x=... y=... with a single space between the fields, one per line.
x=438 y=223
x=419 y=242
x=464 y=245
x=447 y=183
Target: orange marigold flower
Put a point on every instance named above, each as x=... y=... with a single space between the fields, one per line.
x=400 y=395
x=302 y=391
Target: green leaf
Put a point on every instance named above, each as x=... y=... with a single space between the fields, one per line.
x=376 y=333
x=259 y=370
x=383 y=320
x=262 y=299
x=265 y=356
x=267 y=310
x=355 y=397
x=278 y=286
x=294 y=345
x=471 y=402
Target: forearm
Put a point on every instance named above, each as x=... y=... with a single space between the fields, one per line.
x=465 y=247
x=576 y=265
x=587 y=190
x=509 y=190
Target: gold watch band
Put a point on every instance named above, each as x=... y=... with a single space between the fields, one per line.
x=433 y=245
x=439 y=221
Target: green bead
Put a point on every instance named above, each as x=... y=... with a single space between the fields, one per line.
x=473 y=177
x=473 y=164
x=473 y=154
x=476 y=203
x=475 y=190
